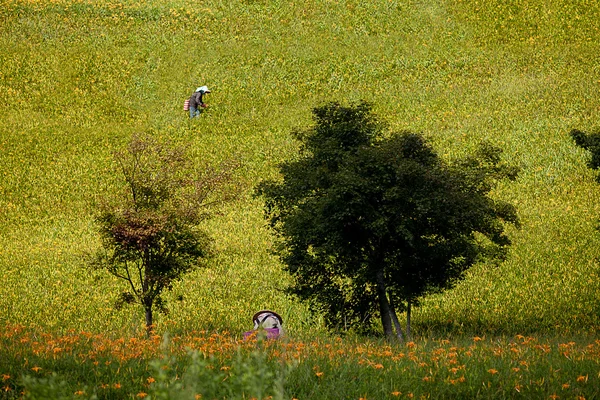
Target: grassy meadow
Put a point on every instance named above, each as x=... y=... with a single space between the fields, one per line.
x=79 y=77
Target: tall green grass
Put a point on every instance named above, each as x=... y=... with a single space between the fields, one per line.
x=78 y=77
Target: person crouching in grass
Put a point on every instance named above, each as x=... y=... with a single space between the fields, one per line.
x=197 y=102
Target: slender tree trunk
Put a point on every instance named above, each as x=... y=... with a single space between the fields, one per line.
x=408 y=309
x=146 y=286
x=395 y=320
x=384 y=306
x=149 y=323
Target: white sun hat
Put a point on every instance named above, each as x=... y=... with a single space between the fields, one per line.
x=203 y=89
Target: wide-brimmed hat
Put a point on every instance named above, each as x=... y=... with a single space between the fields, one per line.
x=203 y=89
x=255 y=317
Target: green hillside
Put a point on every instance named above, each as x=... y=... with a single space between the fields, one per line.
x=78 y=77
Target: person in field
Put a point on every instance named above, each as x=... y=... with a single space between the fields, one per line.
x=197 y=101
x=267 y=321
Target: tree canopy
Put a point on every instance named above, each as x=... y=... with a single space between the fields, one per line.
x=369 y=223
x=591 y=143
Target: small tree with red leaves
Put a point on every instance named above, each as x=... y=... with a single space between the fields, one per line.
x=150 y=234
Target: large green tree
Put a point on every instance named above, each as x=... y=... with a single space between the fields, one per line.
x=150 y=231
x=369 y=224
x=590 y=142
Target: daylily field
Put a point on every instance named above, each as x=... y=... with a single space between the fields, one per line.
x=79 y=77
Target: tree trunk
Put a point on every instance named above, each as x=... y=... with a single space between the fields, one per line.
x=408 y=308
x=146 y=287
x=395 y=321
x=149 y=325
x=384 y=306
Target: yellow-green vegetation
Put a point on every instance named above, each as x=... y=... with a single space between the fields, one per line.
x=78 y=77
